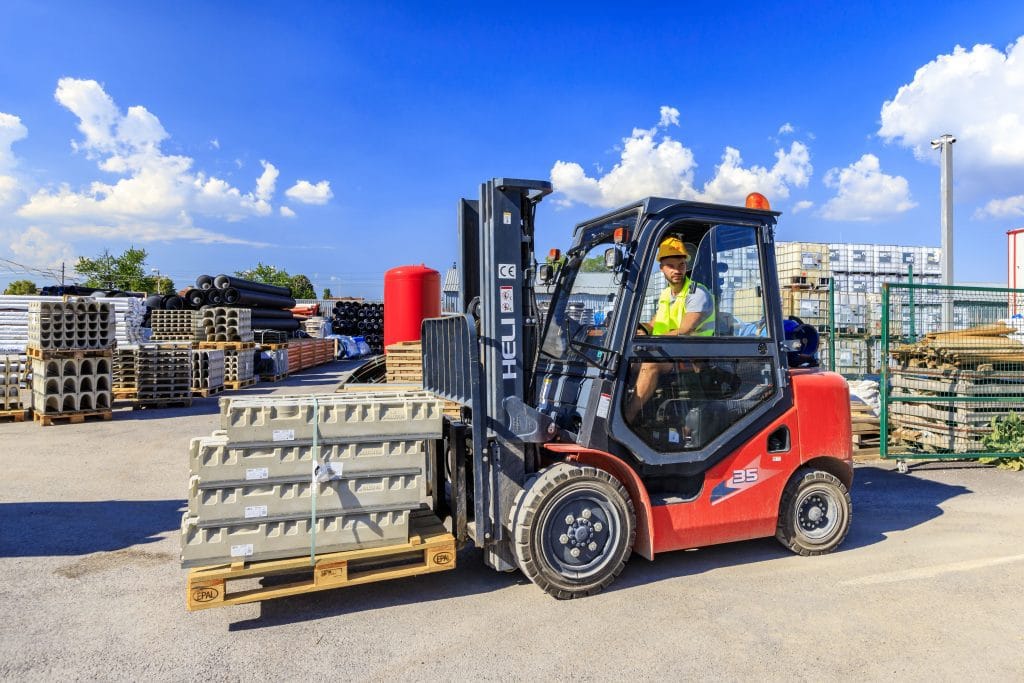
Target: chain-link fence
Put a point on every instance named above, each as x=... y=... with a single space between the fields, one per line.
x=953 y=370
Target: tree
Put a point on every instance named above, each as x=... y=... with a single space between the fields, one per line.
x=126 y=272
x=21 y=287
x=593 y=265
x=299 y=285
x=327 y=293
x=302 y=288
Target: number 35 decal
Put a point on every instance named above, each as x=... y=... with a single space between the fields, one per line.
x=747 y=476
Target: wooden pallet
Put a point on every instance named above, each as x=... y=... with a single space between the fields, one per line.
x=273 y=378
x=72 y=418
x=206 y=393
x=227 y=346
x=19 y=415
x=49 y=354
x=235 y=386
x=430 y=549
x=125 y=394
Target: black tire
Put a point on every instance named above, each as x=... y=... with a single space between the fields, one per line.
x=571 y=558
x=814 y=514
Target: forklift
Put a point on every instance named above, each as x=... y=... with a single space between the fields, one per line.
x=557 y=467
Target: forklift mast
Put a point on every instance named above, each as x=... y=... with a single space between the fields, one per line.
x=493 y=342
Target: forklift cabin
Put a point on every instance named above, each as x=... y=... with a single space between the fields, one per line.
x=552 y=471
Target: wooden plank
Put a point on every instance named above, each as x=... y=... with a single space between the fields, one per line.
x=206 y=393
x=227 y=346
x=235 y=386
x=48 y=354
x=430 y=549
x=19 y=415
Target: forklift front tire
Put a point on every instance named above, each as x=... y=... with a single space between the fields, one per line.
x=814 y=514
x=573 y=530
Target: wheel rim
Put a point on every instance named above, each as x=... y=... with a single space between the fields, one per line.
x=579 y=532
x=818 y=514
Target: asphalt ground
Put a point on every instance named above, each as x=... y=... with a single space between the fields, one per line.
x=929 y=586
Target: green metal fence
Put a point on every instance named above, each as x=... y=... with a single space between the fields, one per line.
x=953 y=366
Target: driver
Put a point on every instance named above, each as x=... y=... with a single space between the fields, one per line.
x=685 y=307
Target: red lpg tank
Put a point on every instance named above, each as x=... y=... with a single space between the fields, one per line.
x=411 y=293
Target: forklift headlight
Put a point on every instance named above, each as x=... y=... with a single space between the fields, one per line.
x=546 y=273
x=612 y=258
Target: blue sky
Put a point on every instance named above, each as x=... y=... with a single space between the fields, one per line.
x=334 y=139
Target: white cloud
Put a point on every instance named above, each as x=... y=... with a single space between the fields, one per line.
x=802 y=205
x=215 y=143
x=287 y=212
x=1009 y=207
x=977 y=95
x=308 y=193
x=11 y=130
x=786 y=129
x=664 y=167
x=865 y=193
x=36 y=248
x=155 y=194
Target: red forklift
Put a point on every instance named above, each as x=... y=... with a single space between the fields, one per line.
x=558 y=467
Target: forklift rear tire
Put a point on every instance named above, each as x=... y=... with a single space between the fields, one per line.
x=814 y=514
x=573 y=529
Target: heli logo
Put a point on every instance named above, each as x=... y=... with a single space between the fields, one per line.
x=205 y=594
x=740 y=480
x=508 y=350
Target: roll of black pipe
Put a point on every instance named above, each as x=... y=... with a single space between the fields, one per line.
x=195 y=298
x=204 y=282
x=225 y=281
x=173 y=303
x=250 y=299
x=213 y=297
x=154 y=301
x=271 y=313
x=230 y=295
x=275 y=324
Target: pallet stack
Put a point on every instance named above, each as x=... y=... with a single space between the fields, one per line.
x=179 y=325
x=207 y=372
x=404 y=365
x=164 y=375
x=125 y=384
x=250 y=494
x=223 y=324
x=72 y=362
x=972 y=364
x=307 y=353
x=13 y=373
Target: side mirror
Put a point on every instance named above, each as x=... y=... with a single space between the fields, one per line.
x=612 y=258
x=546 y=273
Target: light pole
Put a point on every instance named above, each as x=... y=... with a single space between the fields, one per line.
x=156 y=271
x=945 y=146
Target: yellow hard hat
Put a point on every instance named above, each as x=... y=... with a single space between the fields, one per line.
x=672 y=246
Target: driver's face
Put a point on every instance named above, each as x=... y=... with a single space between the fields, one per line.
x=674 y=269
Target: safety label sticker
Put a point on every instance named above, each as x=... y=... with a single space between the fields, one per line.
x=244 y=550
x=257 y=473
x=603 y=405
x=506 y=218
x=252 y=511
x=284 y=435
x=507 y=299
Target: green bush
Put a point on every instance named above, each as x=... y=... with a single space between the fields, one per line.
x=1007 y=437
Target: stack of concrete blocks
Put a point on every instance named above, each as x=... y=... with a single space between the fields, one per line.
x=164 y=374
x=221 y=324
x=125 y=359
x=71 y=385
x=207 y=370
x=72 y=324
x=13 y=372
x=251 y=489
x=72 y=365
x=173 y=325
x=238 y=365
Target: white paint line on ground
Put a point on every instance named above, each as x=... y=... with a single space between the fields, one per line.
x=932 y=572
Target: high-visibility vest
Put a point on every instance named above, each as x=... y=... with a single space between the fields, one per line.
x=670 y=313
